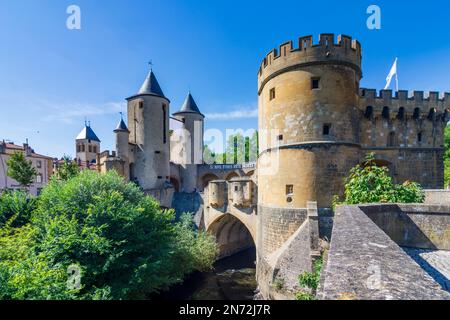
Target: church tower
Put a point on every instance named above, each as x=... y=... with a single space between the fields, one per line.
x=191 y=142
x=148 y=123
x=87 y=145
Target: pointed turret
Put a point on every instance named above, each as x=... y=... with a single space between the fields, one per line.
x=189 y=106
x=190 y=136
x=151 y=86
x=121 y=126
x=148 y=131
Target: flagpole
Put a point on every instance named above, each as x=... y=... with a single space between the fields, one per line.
x=396 y=73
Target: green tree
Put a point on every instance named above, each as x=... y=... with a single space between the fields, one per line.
x=369 y=183
x=124 y=244
x=21 y=170
x=68 y=169
x=15 y=208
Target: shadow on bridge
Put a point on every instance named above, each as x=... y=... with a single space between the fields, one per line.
x=231 y=235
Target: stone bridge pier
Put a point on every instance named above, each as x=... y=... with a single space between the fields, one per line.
x=230 y=214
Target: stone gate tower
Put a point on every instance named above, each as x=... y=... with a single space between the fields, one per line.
x=148 y=122
x=188 y=152
x=308 y=122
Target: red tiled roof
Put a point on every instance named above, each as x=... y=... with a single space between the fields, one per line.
x=12 y=146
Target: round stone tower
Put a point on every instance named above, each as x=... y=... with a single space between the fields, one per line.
x=148 y=122
x=308 y=128
x=122 y=147
x=191 y=139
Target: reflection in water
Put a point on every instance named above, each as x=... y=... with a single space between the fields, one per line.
x=233 y=278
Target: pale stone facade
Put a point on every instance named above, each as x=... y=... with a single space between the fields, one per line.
x=42 y=164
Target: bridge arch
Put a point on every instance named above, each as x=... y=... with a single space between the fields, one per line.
x=207 y=178
x=232 y=175
x=232 y=234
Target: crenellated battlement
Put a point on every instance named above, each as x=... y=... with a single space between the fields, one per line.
x=305 y=51
x=417 y=104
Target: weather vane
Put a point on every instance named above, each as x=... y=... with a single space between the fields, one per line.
x=150 y=63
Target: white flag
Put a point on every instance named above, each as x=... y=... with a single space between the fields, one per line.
x=391 y=74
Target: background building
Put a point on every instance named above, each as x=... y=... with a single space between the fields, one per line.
x=42 y=164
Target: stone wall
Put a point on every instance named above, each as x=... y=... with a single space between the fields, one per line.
x=277 y=272
x=413 y=225
x=276 y=226
x=441 y=197
x=364 y=263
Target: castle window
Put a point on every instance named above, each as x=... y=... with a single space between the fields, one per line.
x=289 y=189
x=83 y=148
x=95 y=149
x=272 y=94
x=416 y=114
x=445 y=115
x=280 y=137
x=164 y=124
x=401 y=113
x=326 y=129
x=141 y=104
x=90 y=148
x=369 y=112
x=236 y=188
x=419 y=137
x=391 y=139
x=385 y=113
x=315 y=83
x=39 y=164
x=39 y=178
x=160 y=177
x=432 y=114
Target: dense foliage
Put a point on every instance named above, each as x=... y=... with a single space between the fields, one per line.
x=20 y=169
x=15 y=208
x=369 y=183
x=239 y=149
x=96 y=237
x=67 y=169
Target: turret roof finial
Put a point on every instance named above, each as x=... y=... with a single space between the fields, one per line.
x=121 y=126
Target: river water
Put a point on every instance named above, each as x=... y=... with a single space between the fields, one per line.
x=233 y=278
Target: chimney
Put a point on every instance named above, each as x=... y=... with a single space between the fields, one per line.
x=3 y=146
x=27 y=149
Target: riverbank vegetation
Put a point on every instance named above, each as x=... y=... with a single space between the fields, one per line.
x=93 y=236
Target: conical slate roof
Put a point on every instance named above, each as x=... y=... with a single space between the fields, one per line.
x=189 y=105
x=121 y=126
x=151 y=86
x=87 y=134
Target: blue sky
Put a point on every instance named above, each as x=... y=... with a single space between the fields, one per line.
x=51 y=78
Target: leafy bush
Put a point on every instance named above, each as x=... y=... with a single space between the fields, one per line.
x=310 y=281
x=15 y=208
x=372 y=184
x=125 y=246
